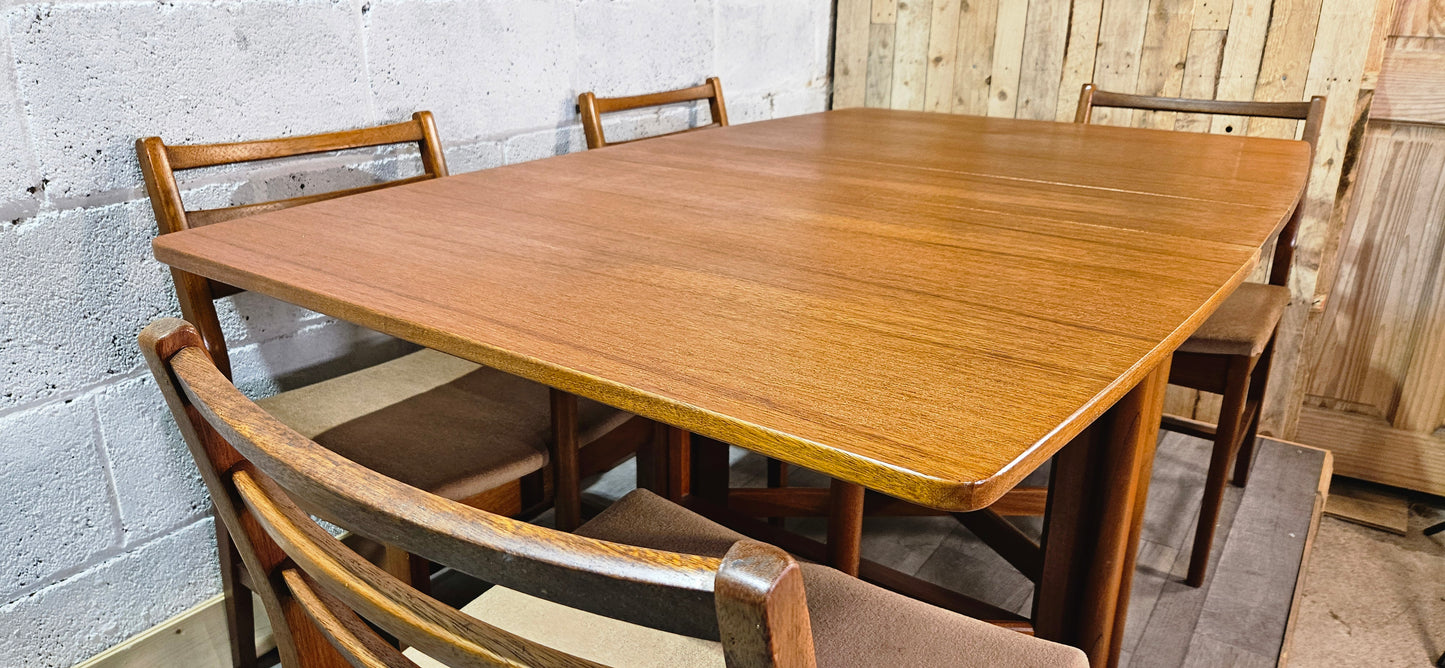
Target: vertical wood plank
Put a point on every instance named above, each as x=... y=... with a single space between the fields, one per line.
x=1046 y=32
x=850 y=57
x=910 y=54
x=1284 y=67
x=942 y=54
x=1008 y=52
x=1121 y=39
x=1201 y=73
x=1243 y=54
x=1078 y=55
x=878 y=89
x=1162 y=61
x=1212 y=14
x=885 y=11
x=974 y=65
x=1342 y=44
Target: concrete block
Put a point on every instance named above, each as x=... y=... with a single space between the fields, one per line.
x=79 y=285
x=96 y=76
x=83 y=615
x=486 y=68
x=326 y=349
x=626 y=48
x=55 y=501
x=543 y=144
x=157 y=485
x=772 y=45
x=20 y=192
x=474 y=156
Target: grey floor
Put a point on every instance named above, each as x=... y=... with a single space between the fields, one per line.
x=1237 y=618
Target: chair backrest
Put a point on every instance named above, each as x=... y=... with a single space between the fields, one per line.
x=317 y=591
x=592 y=107
x=1312 y=113
x=160 y=162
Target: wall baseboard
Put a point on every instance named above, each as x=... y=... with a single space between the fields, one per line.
x=195 y=638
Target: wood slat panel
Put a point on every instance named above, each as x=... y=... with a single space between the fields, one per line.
x=1416 y=461
x=1079 y=55
x=1387 y=268
x=1412 y=87
x=1008 y=53
x=1243 y=54
x=1116 y=65
x=910 y=54
x=942 y=51
x=1420 y=18
x=879 y=86
x=850 y=57
x=1162 y=63
x=974 y=68
x=1046 y=30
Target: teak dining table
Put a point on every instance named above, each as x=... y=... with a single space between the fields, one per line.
x=927 y=306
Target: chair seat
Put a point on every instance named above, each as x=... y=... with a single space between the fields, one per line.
x=854 y=623
x=435 y=422
x=1243 y=323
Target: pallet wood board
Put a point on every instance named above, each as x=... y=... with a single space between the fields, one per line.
x=1028 y=58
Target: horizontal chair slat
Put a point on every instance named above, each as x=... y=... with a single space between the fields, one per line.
x=202 y=217
x=209 y=155
x=1286 y=110
x=698 y=92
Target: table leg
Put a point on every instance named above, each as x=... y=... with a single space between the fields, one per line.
x=709 y=470
x=845 y=526
x=662 y=462
x=566 y=477
x=1092 y=523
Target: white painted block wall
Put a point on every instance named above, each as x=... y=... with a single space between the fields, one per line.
x=104 y=524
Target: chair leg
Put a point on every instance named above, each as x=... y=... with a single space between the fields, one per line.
x=1226 y=438
x=567 y=477
x=777 y=479
x=1258 y=381
x=240 y=609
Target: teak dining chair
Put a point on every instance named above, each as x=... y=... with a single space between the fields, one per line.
x=644 y=583
x=1230 y=353
x=592 y=107
x=446 y=425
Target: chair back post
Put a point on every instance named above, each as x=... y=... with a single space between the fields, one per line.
x=762 y=611
x=591 y=120
x=1086 y=104
x=298 y=641
x=1283 y=262
x=715 y=104
x=159 y=163
x=1312 y=113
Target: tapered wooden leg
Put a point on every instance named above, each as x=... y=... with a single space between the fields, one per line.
x=1091 y=528
x=663 y=462
x=777 y=479
x=240 y=609
x=1226 y=439
x=567 y=477
x=1258 y=383
x=709 y=469
x=845 y=526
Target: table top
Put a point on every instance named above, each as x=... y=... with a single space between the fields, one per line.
x=929 y=305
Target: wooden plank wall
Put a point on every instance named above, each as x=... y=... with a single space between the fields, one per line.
x=1376 y=390
x=1028 y=59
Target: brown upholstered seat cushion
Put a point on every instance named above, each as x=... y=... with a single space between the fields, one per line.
x=1243 y=323
x=434 y=421
x=854 y=623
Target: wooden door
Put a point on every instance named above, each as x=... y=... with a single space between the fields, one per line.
x=1376 y=390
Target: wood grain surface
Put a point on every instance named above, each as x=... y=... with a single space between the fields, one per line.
x=929 y=305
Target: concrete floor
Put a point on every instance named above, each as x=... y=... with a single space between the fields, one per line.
x=1373 y=598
